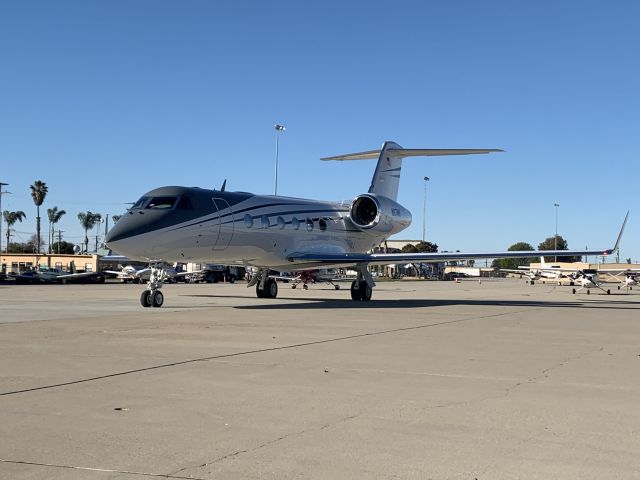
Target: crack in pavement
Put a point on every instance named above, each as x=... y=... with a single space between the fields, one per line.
x=265 y=444
x=545 y=373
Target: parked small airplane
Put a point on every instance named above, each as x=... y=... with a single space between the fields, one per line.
x=630 y=279
x=325 y=275
x=536 y=273
x=129 y=273
x=180 y=224
x=55 y=275
x=587 y=279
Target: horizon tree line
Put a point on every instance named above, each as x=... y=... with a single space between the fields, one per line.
x=39 y=190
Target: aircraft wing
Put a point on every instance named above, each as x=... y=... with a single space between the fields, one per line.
x=75 y=275
x=345 y=259
x=388 y=258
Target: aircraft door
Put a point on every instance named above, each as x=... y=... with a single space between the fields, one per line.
x=209 y=231
x=225 y=220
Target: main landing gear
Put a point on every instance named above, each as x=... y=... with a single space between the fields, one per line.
x=152 y=296
x=361 y=291
x=265 y=287
x=362 y=286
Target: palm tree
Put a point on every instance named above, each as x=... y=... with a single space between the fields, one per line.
x=39 y=191
x=11 y=218
x=88 y=220
x=54 y=217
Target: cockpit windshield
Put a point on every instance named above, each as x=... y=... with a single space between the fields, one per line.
x=140 y=203
x=161 y=202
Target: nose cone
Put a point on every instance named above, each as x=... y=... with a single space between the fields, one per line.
x=126 y=235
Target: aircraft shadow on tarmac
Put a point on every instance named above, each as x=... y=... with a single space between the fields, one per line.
x=320 y=303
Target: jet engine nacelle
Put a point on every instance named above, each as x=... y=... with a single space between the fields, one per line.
x=379 y=214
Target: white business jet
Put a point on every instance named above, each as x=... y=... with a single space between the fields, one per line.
x=183 y=224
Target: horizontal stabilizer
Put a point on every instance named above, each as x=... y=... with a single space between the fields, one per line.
x=413 y=152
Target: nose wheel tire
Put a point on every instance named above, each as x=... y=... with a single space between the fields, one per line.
x=152 y=299
x=145 y=298
x=157 y=299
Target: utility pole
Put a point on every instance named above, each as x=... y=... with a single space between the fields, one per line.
x=555 y=239
x=59 y=240
x=424 y=210
x=2 y=193
x=279 y=128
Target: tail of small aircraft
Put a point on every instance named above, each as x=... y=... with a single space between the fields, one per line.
x=386 y=178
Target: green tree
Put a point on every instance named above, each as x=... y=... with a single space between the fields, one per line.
x=54 y=217
x=25 y=247
x=409 y=248
x=39 y=191
x=10 y=219
x=550 y=244
x=88 y=220
x=64 y=248
x=427 y=247
x=514 y=263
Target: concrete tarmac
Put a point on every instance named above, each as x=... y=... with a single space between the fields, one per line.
x=429 y=380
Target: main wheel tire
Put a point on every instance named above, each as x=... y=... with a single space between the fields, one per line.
x=337 y=287
x=145 y=298
x=271 y=288
x=366 y=291
x=259 y=291
x=588 y=292
x=573 y=291
x=608 y=292
x=356 y=294
x=157 y=299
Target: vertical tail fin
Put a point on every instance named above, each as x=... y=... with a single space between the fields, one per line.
x=386 y=178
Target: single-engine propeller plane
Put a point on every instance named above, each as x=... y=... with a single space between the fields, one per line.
x=183 y=224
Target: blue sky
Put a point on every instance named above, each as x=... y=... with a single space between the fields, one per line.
x=106 y=100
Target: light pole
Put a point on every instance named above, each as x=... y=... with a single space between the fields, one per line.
x=279 y=128
x=1 y=193
x=424 y=210
x=555 y=239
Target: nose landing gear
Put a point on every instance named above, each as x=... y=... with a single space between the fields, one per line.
x=152 y=296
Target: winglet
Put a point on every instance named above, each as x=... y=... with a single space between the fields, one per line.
x=617 y=245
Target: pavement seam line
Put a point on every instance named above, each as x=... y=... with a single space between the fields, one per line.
x=250 y=352
x=92 y=469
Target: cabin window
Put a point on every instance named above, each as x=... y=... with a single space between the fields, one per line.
x=248 y=221
x=265 y=221
x=295 y=223
x=281 y=223
x=161 y=203
x=309 y=223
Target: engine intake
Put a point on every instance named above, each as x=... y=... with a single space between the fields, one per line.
x=378 y=213
x=364 y=212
